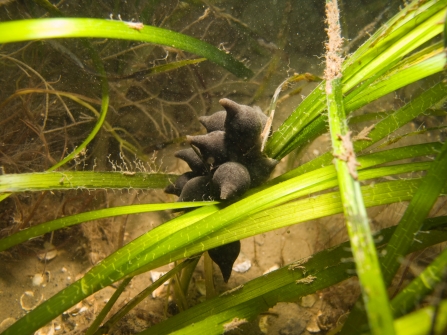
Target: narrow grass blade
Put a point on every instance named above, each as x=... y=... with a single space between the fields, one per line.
x=17 y=31
x=29 y=233
x=105 y=98
x=363 y=249
x=66 y=180
x=106 y=309
x=402 y=75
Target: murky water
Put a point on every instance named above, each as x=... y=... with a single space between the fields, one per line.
x=148 y=113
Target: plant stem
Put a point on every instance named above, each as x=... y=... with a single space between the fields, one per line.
x=363 y=249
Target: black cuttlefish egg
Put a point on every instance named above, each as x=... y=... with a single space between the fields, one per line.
x=224 y=163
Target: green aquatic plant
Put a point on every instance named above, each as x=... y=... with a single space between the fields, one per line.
x=404 y=50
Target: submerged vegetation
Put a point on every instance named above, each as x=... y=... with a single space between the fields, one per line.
x=86 y=101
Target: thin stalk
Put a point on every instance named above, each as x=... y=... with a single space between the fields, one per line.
x=106 y=327
x=102 y=315
x=209 y=280
x=363 y=249
x=104 y=107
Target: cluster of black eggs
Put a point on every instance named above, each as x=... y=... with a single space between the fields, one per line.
x=225 y=163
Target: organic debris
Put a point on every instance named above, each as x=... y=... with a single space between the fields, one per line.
x=348 y=155
x=306 y=280
x=363 y=134
x=229 y=292
x=234 y=324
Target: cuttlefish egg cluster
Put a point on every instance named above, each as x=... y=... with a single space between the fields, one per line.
x=224 y=163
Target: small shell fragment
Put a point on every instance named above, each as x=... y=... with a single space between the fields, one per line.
x=38 y=279
x=155 y=275
x=48 y=253
x=6 y=323
x=264 y=324
x=272 y=268
x=312 y=326
x=158 y=291
x=77 y=309
x=242 y=267
x=28 y=302
x=46 y=330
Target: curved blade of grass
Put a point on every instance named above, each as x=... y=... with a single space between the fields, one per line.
x=102 y=116
x=29 y=233
x=322 y=270
x=65 y=180
x=104 y=102
x=25 y=30
x=82 y=100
